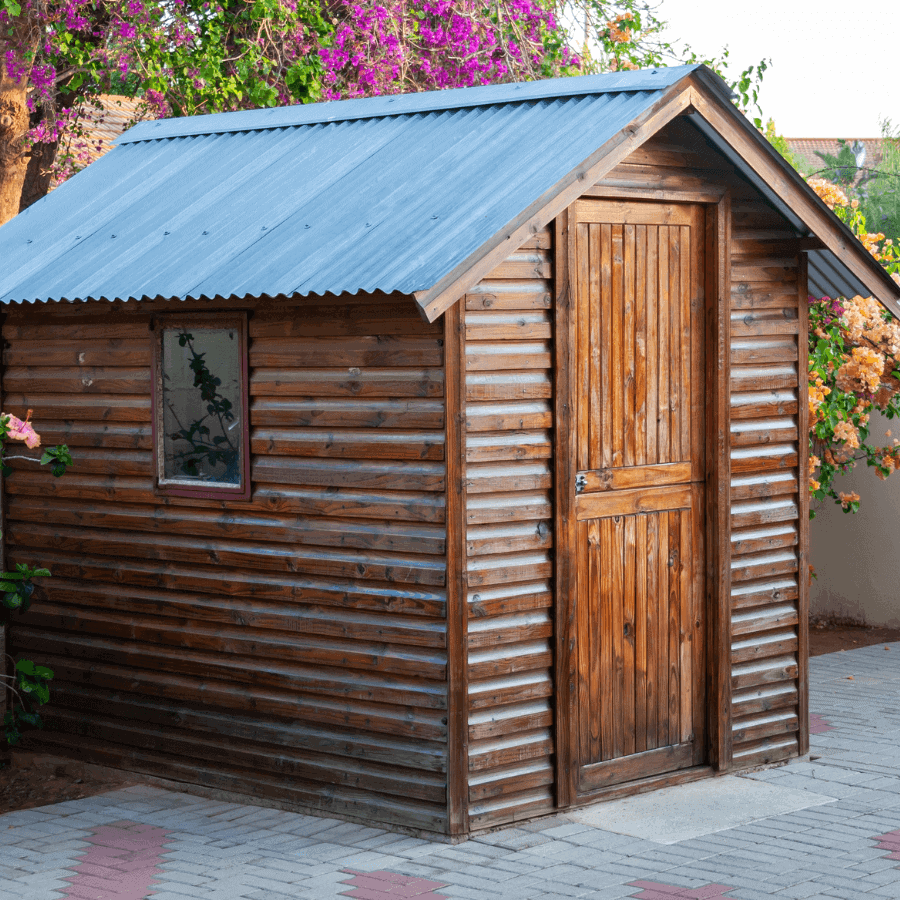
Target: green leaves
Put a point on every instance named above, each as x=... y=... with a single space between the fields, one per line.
x=60 y=459
x=747 y=88
x=34 y=680
x=30 y=689
x=17 y=589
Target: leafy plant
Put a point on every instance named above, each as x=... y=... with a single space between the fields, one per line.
x=28 y=682
x=30 y=689
x=17 y=589
x=854 y=368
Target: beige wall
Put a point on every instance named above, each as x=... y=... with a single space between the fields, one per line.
x=857 y=557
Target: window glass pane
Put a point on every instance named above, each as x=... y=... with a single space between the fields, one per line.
x=201 y=405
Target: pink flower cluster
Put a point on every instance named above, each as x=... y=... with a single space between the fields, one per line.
x=285 y=51
x=830 y=310
x=386 y=47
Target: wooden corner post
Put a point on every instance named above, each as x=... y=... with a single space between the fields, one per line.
x=718 y=475
x=805 y=559
x=565 y=469
x=457 y=600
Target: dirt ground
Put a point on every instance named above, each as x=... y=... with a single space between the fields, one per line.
x=27 y=781
x=832 y=637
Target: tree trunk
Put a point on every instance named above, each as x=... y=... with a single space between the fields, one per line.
x=38 y=174
x=14 y=123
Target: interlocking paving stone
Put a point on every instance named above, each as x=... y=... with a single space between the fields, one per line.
x=388 y=885
x=214 y=850
x=120 y=864
x=653 y=891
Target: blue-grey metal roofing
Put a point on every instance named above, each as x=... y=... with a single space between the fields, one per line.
x=382 y=194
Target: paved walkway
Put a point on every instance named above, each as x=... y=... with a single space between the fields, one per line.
x=141 y=842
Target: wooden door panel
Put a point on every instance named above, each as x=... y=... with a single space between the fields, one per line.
x=640 y=630
x=639 y=492
x=640 y=292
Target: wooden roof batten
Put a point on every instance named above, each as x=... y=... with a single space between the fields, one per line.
x=695 y=94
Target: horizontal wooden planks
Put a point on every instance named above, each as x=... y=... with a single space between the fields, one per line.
x=301 y=635
x=766 y=390
x=509 y=539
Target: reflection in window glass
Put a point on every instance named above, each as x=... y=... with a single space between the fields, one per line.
x=201 y=405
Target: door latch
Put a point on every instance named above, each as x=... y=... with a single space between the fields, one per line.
x=580 y=482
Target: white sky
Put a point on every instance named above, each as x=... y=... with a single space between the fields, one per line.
x=835 y=65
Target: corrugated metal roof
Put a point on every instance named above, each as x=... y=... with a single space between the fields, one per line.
x=383 y=194
x=389 y=194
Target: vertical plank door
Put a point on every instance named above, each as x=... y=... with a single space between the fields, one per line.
x=639 y=492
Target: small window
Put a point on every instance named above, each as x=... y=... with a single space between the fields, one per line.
x=200 y=406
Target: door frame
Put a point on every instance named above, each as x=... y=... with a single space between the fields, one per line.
x=717 y=204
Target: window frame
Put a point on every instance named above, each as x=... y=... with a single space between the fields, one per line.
x=209 y=491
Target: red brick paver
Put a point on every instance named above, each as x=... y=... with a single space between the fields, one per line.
x=889 y=841
x=654 y=891
x=120 y=865
x=819 y=724
x=390 y=886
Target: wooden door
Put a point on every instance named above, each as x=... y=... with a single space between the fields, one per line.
x=639 y=492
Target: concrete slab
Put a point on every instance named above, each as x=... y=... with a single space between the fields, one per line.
x=688 y=811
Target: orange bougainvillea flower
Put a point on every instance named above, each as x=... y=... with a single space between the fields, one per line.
x=847 y=499
x=847 y=434
x=861 y=372
x=20 y=430
x=830 y=194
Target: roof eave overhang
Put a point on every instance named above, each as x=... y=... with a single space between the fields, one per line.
x=700 y=94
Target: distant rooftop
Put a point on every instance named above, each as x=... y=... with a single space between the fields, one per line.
x=805 y=149
x=105 y=125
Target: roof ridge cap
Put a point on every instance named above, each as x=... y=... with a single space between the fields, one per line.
x=420 y=102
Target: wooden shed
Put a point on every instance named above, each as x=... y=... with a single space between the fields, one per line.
x=500 y=504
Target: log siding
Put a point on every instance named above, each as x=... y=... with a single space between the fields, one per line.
x=292 y=646
x=509 y=519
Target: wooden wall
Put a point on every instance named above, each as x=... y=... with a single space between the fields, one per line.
x=295 y=646
x=509 y=536
x=767 y=364
x=292 y=646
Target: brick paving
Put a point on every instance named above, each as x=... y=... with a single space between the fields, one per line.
x=120 y=864
x=819 y=724
x=144 y=842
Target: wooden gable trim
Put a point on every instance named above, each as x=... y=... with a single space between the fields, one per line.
x=790 y=188
x=690 y=94
x=436 y=300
